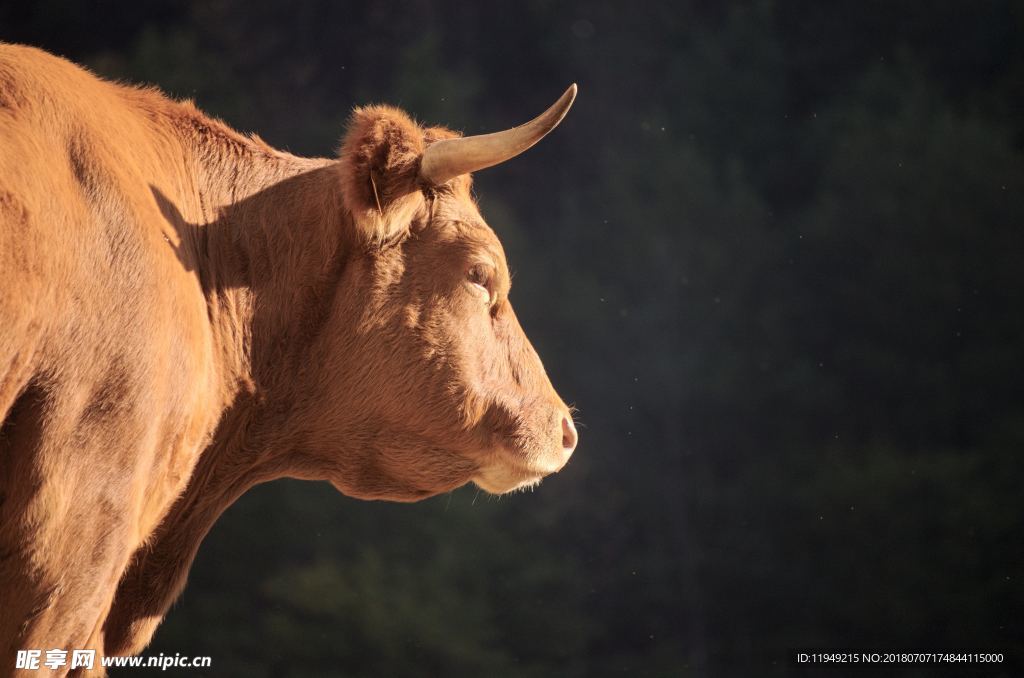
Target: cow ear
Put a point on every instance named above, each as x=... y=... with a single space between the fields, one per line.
x=379 y=165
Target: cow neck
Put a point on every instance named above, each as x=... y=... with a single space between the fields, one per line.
x=267 y=237
x=269 y=255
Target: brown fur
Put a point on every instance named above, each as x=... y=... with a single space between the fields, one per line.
x=186 y=312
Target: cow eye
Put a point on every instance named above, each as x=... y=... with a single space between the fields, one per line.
x=480 y=274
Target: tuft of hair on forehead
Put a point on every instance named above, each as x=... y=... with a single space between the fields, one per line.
x=379 y=166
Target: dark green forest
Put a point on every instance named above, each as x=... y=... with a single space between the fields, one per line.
x=773 y=255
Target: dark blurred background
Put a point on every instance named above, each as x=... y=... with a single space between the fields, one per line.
x=774 y=255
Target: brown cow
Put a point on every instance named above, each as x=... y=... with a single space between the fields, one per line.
x=186 y=312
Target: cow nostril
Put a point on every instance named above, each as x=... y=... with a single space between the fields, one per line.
x=569 y=437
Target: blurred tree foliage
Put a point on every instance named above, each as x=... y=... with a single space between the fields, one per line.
x=774 y=257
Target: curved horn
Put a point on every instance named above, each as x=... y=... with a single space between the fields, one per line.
x=451 y=157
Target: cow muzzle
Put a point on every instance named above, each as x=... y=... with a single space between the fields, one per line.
x=509 y=469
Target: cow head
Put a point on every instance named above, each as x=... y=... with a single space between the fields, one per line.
x=427 y=379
